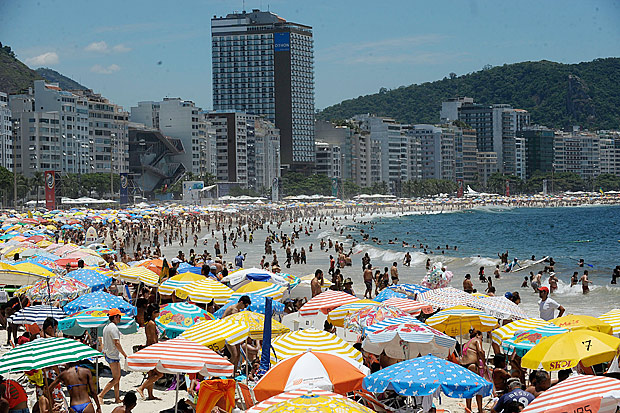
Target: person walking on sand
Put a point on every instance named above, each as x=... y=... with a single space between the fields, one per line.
x=547 y=306
x=112 y=350
x=368 y=282
x=317 y=283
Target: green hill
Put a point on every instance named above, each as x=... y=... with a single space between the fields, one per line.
x=63 y=81
x=15 y=76
x=557 y=95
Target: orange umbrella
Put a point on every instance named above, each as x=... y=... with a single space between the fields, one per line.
x=325 y=371
x=154 y=265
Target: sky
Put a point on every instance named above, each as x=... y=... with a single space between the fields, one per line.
x=135 y=50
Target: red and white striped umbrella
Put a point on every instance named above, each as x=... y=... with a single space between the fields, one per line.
x=325 y=302
x=579 y=394
x=282 y=397
x=409 y=306
x=180 y=355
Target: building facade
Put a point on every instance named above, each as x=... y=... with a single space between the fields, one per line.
x=577 y=152
x=266 y=163
x=264 y=65
x=539 y=151
x=231 y=137
x=6 y=133
x=328 y=160
x=365 y=160
x=610 y=152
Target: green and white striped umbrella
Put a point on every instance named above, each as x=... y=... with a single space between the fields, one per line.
x=45 y=352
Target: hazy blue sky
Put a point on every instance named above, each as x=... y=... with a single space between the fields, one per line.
x=136 y=50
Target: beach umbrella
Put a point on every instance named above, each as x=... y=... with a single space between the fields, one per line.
x=325 y=302
x=137 y=275
x=410 y=290
x=48 y=263
x=311 y=402
x=579 y=393
x=524 y=342
x=407 y=340
x=446 y=297
x=423 y=376
x=180 y=355
x=499 y=307
x=457 y=321
x=296 y=342
x=582 y=322
x=45 y=352
x=190 y=269
x=263 y=288
x=58 y=288
x=88 y=258
x=516 y=327
x=386 y=294
x=258 y=305
x=96 y=317
x=565 y=351
x=337 y=315
x=155 y=265
x=409 y=306
x=613 y=319
x=100 y=299
x=93 y=279
x=216 y=333
x=312 y=369
x=175 y=318
x=365 y=317
x=205 y=290
x=259 y=407
x=33 y=268
x=36 y=314
x=255 y=322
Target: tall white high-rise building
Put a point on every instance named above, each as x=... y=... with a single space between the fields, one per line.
x=6 y=133
x=264 y=65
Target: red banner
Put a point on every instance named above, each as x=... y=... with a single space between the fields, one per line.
x=507 y=188
x=459 y=192
x=50 y=190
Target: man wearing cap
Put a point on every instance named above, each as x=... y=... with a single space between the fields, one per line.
x=547 y=306
x=514 y=394
x=112 y=350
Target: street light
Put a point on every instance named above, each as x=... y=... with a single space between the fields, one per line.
x=112 y=141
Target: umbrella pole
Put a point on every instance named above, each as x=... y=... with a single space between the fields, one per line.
x=176 y=394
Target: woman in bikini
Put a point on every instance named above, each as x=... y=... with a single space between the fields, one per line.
x=473 y=358
x=79 y=382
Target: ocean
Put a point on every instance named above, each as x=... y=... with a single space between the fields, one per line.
x=567 y=234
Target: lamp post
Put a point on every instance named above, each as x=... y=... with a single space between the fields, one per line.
x=112 y=141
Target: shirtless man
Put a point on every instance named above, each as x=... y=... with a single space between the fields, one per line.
x=584 y=282
x=468 y=286
x=317 y=283
x=368 y=282
x=536 y=281
x=152 y=337
x=243 y=303
x=553 y=282
x=394 y=273
x=79 y=382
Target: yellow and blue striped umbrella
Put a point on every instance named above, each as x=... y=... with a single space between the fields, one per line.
x=612 y=318
x=266 y=289
x=137 y=275
x=519 y=326
x=215 y=333
x=169 y=286
x=457 y=321
x=205 y=290
x=297 y=342
x=256 y=322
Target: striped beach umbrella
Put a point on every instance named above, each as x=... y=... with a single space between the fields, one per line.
x=138 y=275
x=499 y=307
x=325 y=302
x=256 y=322
x=263 y=288
x=457 y=321
x=205 y=290
x=409 y=289
x=446 y=297
x=511 y=329
x=409 y=306
x=169 y=286
x=577 y=394
x=180 y=355
x=258 y=305
x=408 y=319
x=288 y=396
x=337 y=315
x=95 y=317
x=297 y=342
x=216 y=333
x=45 y=352
x=36 y=314
x=364 y=318
x=524 y=342
x=311 y=402
x=100 y=299
x=175 y=318
x=612 y=318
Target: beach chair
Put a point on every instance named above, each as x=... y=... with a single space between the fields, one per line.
x=246 y=395
x=370 y=401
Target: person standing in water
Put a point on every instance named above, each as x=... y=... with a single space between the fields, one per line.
x=584 y=282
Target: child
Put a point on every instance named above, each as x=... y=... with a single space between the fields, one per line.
x=524 y=284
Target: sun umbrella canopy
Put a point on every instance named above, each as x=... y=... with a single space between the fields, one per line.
x=409 y=289
x=138 y=275
x=312 y=369
x=409 y=306
x=216 y=333
x=93 y=279
x=499 y=307
x=565 y=351
x=314 y=402
x=582 y=322
x=446 y=297
x=99 y=299
x=180 y=355
x=419 y=339
x=57 y=288
x=365 y=317
x=45 y=352
x=36 y=314
x=337 y=315
x=98 y=318
x=205 y=290
x=255 y=322
x=325 y=302
x=288 y=396
x=258 y=305
x=457 y=321
x=524 y=342
x=263 y=288
x=169 y=286
x=387 y=294
x=516 y=327
x=175 y=318
x=579 y=394
x=613 y=319
x=297 y=342
x=33 y=269
x=423 y=376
